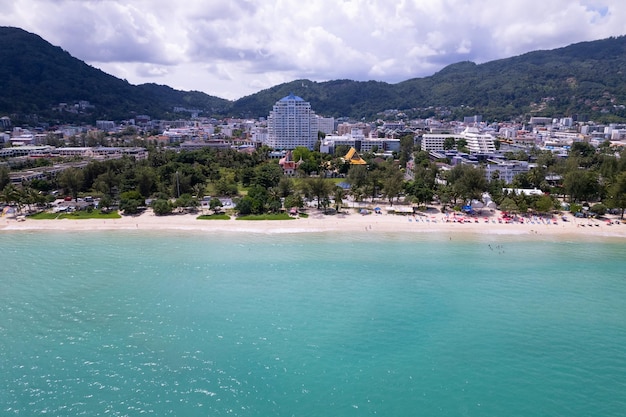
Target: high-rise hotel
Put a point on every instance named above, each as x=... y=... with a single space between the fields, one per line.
x=291 y=123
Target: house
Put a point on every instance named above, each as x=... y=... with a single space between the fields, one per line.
x=288 y=165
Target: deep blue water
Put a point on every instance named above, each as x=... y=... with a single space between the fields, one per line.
x=127 y=324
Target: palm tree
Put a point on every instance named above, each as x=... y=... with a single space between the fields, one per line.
x=338 y=196
x=320 y=188
x=31 y=196
x=13 y=196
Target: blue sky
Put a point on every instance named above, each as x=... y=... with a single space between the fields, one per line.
x=234 y=48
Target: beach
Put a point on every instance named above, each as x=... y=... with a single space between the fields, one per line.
x=316 y=222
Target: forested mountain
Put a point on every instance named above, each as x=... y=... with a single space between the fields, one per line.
x=584 y=79
x=36 y=76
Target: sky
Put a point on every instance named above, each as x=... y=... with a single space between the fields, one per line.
x=234 y=48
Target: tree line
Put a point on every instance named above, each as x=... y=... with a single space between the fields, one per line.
x=173 y=179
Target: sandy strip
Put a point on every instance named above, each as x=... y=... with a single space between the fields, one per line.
x=575 y=229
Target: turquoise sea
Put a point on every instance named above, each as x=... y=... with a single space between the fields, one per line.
x=192 y=324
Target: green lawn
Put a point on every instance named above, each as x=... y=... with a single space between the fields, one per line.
x=280 y=216
x=77 y=215
x=213 y=217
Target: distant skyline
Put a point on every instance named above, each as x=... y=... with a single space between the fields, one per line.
x=235 y=48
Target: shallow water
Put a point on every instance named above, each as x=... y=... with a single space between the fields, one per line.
x=126 y=324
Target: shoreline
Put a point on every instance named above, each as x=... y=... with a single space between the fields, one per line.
x=576 y=229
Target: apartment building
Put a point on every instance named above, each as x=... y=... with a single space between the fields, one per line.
x=291 y=124
x=477 y=142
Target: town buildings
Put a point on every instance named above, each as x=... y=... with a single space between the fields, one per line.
x=357 y=140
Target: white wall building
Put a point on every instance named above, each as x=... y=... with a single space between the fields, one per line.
x=478 y=142
x=358 y=141
x=435 y=141
x=326 y=124
x=291 y=123
x=507 y=170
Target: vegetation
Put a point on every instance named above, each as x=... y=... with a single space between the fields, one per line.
x=220 y=216
x=176 y=181
x=582 y=79
x=280 y=216
x=77 y=215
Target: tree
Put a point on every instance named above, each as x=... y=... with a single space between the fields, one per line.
x=393 y=183
x=617 y=193
x=341 y=150
x=320 y=188
x=580 y=185
x=72 y=181
x=146 y=178
x=216 y=205
x=32 y=196
x=461 y=145
x=130 y=201
x=419 y=191
x=599 y=208
x=12 y=196
x=543 y=204
x=260 y=197
x=285 y=187
x=449 y=144
x=407 y=142
x=357 y=176
x=4 y=177
x=509 y=205
x=338 y=197
x=467 y=181
x=226 y=187
x=267 y=175
x=107 y=182
x=161 y=207
x=186 y=201
x=582 y=150
x=294 y=200
x=244 y=206
x=105 y=203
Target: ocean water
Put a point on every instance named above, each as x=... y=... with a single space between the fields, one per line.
x=190 y=324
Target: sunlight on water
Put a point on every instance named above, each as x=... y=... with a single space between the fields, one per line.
x=124 y=324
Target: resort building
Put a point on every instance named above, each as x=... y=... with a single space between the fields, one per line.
x=358 y=141
x=291 y=124
x=506 y=170
x=477 y=142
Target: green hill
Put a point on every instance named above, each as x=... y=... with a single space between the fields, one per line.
x=584 y=79
x=37 y=76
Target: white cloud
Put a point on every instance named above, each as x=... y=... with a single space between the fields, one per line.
x=238 y=47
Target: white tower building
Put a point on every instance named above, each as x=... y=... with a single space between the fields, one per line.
x=291 y=123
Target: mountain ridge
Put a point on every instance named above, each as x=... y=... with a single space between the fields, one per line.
x=583 y=79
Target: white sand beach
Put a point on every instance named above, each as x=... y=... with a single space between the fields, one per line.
x=340 y=223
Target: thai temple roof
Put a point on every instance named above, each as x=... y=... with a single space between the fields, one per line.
x=354 y=158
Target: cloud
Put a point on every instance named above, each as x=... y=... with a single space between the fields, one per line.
x=237 y=47
x=151 y=70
